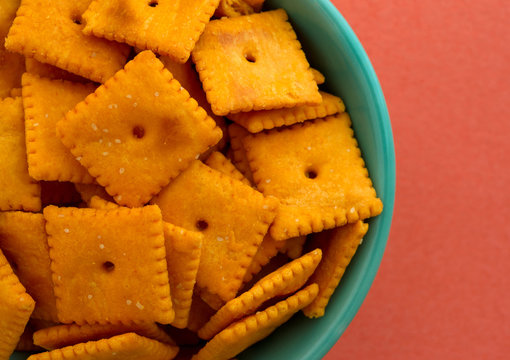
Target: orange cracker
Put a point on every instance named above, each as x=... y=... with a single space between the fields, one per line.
x=293 y=247
x=283 y=281
x=325 y=183
x=318 y=76
x=15 y=309
x=211 y=299
x=256 y=121
x=67 y=335
x=339 y=246
x=23 y=240
x=51 y=72
x=264 y=48
x=219 y=162
x=232 y=216
x=15 y=92
x=246 y=332
x=51 y=32
x=46 y=101
x=109 y=266
x=237 y=134
x=138 y=131
x=128 y=346
x=167 y=27
x=188 y=78
x=19 y=190
x=183 y=249
x=183 y=257
x=58 y=193
x=87 y=191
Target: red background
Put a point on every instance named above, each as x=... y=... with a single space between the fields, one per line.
x=443 y=289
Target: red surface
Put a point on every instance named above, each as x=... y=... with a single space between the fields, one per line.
x=443 y=289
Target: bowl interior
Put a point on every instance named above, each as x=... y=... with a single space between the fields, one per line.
x=332 y=47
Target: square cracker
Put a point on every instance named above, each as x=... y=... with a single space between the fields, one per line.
x=138 y=131
x=253 y=62
x=51 y=32
x=23 y=240
x=321 y=184
x=45 y=102
x=167 y=27
x=19 y=190
x=232 y=216
x=15 y=309
x=256 y=121
x=129 y=346
x=60 y=336
x=109 y=265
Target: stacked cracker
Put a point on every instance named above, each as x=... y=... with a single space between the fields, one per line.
x=127 y=231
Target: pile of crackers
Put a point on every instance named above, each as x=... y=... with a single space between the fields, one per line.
x=174 y=183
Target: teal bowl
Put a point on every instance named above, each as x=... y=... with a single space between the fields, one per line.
x=332 y=47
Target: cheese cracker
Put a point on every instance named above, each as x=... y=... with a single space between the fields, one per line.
x=219 y=162
x=325 y=183
x=232 y=216
x=264 y=48
x=109 y=265
x=245 y=332
x=138 y=131
x=19 y=190
x=51 y=32
x=51 y=72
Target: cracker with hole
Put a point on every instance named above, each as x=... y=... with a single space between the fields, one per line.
x=138 y=131
x=23 y=240
x=246 y=332
x=237 y=133
x=219 y=162
x=232 y=216
x=285 y=280
x=19 y=190
x=52 y=33
x=264 y=48
x=109 y=266
x=129 y=346
x=15 y=309
x=51 y=72
x=325 y=183
x=60 y=336
x=45 y=102
x=339 y=246
x=256 y=121
x=169 y=28
x=188 y=78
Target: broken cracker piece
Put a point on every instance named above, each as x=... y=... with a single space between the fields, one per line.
x=138 y=131
x=339 y=246
x=97 y=257
x=264 y=48
x=246 y=332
